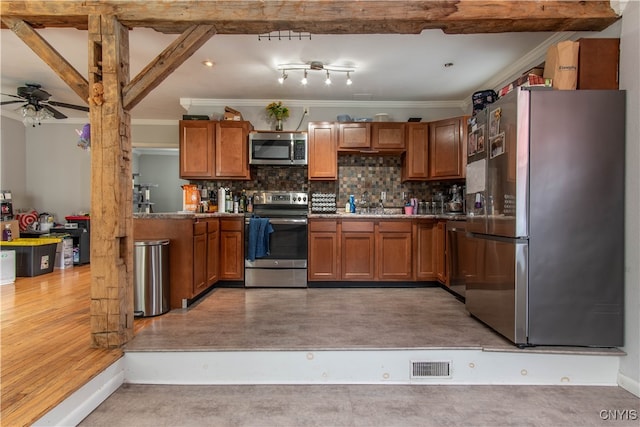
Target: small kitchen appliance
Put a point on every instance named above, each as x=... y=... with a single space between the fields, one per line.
x=278 y=148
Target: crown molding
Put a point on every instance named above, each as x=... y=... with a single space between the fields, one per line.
x=188 y=103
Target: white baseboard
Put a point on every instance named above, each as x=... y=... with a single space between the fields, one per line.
x=76 y=407
x=629 y=384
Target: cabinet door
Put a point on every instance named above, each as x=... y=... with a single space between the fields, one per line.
x=447 y=150
x=357 y=248
x=426 y=250
x=393 y=246
x=231 y=249
x=441 y=255
x=213 y=251
x=196 y=149
x=387 y=136
x=232 y=150
x=199 y=263
x=323 y=250
x=323 y=156
x=354 y=136
x=415 y=164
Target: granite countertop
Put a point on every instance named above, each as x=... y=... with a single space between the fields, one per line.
x=390 y=215
x=340 y=215
x=185 y=215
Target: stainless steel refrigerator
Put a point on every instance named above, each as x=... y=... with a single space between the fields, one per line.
x=545 y=217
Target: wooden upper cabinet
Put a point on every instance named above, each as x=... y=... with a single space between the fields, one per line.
x=232 y=150
x=323 y=157
x=354 y=136
x=196 y=149
x=447 y=148
x=415 y=165
x=387 y=136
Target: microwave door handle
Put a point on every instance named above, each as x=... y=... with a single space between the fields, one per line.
x=291 y=151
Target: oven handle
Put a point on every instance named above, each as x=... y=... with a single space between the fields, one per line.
x=281 y=221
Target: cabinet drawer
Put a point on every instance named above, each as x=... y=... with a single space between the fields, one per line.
x=199 y=228
x=213 y=225
x=326 y=226
x=363 y=226
x=394 y=226
x=231 y=224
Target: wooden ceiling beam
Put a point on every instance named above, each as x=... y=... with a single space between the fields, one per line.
x=325 y=17
x=49 y=55
x=165 y=63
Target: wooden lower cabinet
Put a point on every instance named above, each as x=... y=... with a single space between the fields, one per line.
x=323 y=250
x=376 y=250
x=357 y=250
x=425 y=250
x=213 y=250
x=231 y=249
x=199 y=257
x=441 y=251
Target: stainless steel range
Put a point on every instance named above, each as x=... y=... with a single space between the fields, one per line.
x=276 y=240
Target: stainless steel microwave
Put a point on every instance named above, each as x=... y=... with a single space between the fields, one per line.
x=278 y=148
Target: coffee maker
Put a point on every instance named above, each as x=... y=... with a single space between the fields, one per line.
x=6 y=204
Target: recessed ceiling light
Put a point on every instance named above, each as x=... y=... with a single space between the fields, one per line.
x=207 y=63
x=448 y=64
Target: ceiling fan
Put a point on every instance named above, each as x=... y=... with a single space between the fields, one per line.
x=37 y=105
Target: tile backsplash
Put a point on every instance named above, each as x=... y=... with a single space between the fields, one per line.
x=356 y=174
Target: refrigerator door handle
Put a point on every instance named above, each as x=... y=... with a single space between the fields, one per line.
x=498 y=238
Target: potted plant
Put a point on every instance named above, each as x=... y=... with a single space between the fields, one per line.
x=278 y=112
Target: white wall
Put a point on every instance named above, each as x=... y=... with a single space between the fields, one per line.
x=162 y=170
x=629 y=81
x=13 y=160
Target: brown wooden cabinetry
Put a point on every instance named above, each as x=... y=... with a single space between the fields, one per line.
x=213 y=250
x=231 y=249
x=196 y=149
x=232 y=150
x=425 y=250
x=354 y=136
x=323 y=250
x=387 y=136
x=371 y=137
x=377 y=250
x=415 y=165
x=447 y=148
x=393 y=250
x=441 y=251
x=213 y=150
x=199 y=257
x=357 y=250
x=323 y=158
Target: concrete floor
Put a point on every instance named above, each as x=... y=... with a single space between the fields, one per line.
x=372 y=405
x=346 y=318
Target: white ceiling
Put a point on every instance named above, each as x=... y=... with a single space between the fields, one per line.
x=407 y=68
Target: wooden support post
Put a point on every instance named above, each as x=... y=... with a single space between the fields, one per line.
x=111 y=195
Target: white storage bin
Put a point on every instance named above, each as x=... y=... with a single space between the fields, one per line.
x=7 y=267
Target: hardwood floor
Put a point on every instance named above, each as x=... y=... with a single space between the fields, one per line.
x=45 y=336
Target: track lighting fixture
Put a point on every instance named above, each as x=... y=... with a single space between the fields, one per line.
x=283 y=77
x=315 y=66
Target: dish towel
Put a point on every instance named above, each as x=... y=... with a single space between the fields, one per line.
x=259 y=231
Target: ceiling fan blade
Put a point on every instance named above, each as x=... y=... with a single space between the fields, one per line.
x=40 y=94
x=13 y=96
x=11 y=102
x=56 y=114
x=65 y=105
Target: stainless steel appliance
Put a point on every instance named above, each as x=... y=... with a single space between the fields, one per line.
x=545 y=213
x=459 y=263
x=278 y=148
x=285 y=265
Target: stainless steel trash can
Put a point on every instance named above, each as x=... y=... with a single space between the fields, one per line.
x=151 y=277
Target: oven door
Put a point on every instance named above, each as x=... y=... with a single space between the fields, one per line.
x=286 y=263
